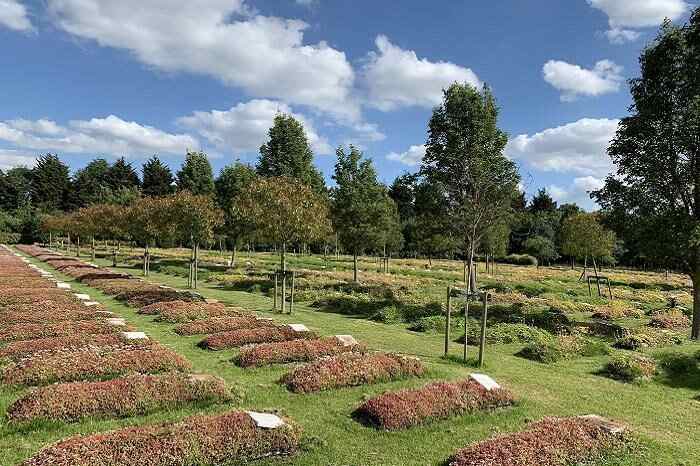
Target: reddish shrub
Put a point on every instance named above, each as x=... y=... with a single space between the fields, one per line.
x=128 y=396
x=28 y=331
x=222 y=324
x=17 y=350
x=188 y=312
x=93 y=364
x=293 y=351
x=670 y=320
x=237 y=338
x=117 y=285
x=349 y=370
x=440 y=400
x=41 y=316
x=51 y=306
x=549 y=442
x=227 y=438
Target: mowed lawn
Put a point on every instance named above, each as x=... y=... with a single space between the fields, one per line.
x=663 y=415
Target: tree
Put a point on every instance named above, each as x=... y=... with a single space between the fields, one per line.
x=583 y=236
x=148 y=219
x=363 y=213
x=123 y=175
x=288 y=153
x=464 y=154
x=653 y=198
x=51 y=184
x=433 y=233
x=15 y=188
x=403 y=193
x=92 y=183
x=157 y=178
x=231 y=182
x=196 y=175
x=542 y=248
x=542 y=202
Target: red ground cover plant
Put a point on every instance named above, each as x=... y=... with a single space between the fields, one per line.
x=28 y=331
x=93 y=364
x=11 y=296
x=670 y=320
x=348 y=370
x=49 y=305
x=17 y=350
x=197 y=311
x=229 y=438
x=222 y=324
x=41 y=316
x=24 y=282
x=293 y=351
x=132 y=395
x=117 y=285
x=157 y=308
x=549 y=442
x=238 y=338
x=144 y=296
x=439 y=400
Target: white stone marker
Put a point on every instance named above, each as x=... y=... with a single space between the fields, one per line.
x=134 y=336
x=485 y=381
x=104 y=313
x=265 y=420
x=82 y=296
x=346 y=340
x=606 y=424
x=116 y=321
x=211 y=301
x=90 y=303
x=63 y=285
x=298 y=327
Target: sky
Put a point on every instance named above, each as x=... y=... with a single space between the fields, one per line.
x=134 y=78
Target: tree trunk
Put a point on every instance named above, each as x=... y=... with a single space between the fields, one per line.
x=77 y=248
x=145 y=260
x=472 y=279
x=93 y=249
x=233 y=257
x=196 y=263
x=695 y=328
x=354 y=267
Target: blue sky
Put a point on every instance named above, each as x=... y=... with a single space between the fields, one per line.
x=88 y=78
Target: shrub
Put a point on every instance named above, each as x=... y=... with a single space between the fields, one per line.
x=504 y=333
x=552 y=319
x=17 y=350
x=676 y=365
x=440 y=400
x=195 y=312
x=128 y=396
x=227 y=438
x=293 y=351
x=648 y=338
x=549 y=442
x=555 y=349
x=630 y=367
x=93 y=364
x=671 y=319
x=140 y=297
x=349 y=370
x=27 y=331
x=388 y=315
x=222 y=324
x=238 y=338
x=519 y=259
x=40 y=316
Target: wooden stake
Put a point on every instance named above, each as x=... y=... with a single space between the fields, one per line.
x=447 y=323
x=291 y=299
x=482 y=343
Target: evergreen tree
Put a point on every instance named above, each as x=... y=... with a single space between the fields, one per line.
x=51 y=183
x=123 y=175
x=542 y=202
x=232 y=181
x=92 y=183
x=157 y=178
x=196 y=175
x=15 y=188
x=287 y=153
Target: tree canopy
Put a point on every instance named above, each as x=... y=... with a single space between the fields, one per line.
x=157 y=178
x=196 y=175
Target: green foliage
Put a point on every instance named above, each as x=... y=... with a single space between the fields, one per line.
x=122 y=175
x=51 y=184
x=92 y=182
x=583 y=235
x=519 y=259
x=15 y=188
x=157 y=178
x=231 y=182
x=630 y=367
x=196 y=175
x=555 y=349
x=287 y=153
x=542 y=248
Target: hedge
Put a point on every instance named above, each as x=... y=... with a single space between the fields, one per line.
x=349 y=370
x=222 y=324
x=549 y=442
x=230 y=438
x=439 y=400
x=238 y=338
x=93 y=364
x=128 y=396
x=293 y=351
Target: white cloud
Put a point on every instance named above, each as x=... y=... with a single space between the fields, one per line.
x=13 y=15
x=397 y=78
x=624 y=15
x=579 y=147
x=578 y=191
x=12 y=158
x=243 y=128
x=411 y=157
x=265 y=56
x=573 y=80
x=109 y=136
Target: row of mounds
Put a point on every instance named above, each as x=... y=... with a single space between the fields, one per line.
x=84 y=365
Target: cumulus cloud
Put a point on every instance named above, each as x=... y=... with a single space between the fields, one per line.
x=626 y=15
x=13 y=15
x=411 y=157
x=579 y=147
x=395 y=77
x=265 y=56
x=109 y=136
x=573 y=80
x=12 y=158
x=243 y=128
x=578 y=192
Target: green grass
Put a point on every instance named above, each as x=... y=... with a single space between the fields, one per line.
x=662 y=415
